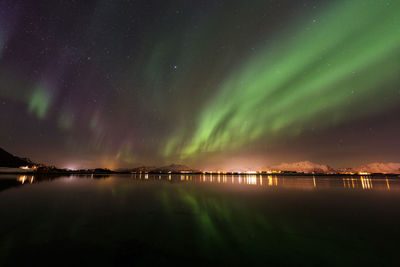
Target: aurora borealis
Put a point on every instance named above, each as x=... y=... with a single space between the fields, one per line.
x=216 y=84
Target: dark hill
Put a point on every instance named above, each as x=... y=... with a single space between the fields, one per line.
x=11 y=161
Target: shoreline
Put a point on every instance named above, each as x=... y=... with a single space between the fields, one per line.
x=69 y=173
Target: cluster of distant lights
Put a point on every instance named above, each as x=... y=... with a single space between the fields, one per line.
x=263 y=172
x=276 y=172
x=239 y=172
x=218 y=172
x=27 y=168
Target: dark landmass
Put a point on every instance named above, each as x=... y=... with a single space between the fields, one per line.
x=11 y=161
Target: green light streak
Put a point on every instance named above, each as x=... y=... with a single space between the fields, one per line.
x=65 y=121
x=94 y=121
x=325 y=72
x=125 y=155
x=39 y=103
x=215 y=219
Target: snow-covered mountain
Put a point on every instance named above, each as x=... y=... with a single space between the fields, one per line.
x=379 y=167
x=303 y=166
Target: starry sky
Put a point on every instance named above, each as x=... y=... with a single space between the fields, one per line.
x=206 y=83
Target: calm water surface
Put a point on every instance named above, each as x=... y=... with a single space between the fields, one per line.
x=127 y=220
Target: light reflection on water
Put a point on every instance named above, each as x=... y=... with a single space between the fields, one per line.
x=367 y=183
x=289 y=182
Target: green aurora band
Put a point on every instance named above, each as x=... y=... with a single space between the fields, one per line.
x=321 y=73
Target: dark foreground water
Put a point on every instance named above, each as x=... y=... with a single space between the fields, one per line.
x=130 y=220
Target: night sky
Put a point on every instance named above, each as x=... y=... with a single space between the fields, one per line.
x=207 y=83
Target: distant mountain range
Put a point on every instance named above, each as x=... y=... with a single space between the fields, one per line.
x=378 y=167
x=11 y=161
x=311 y=167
